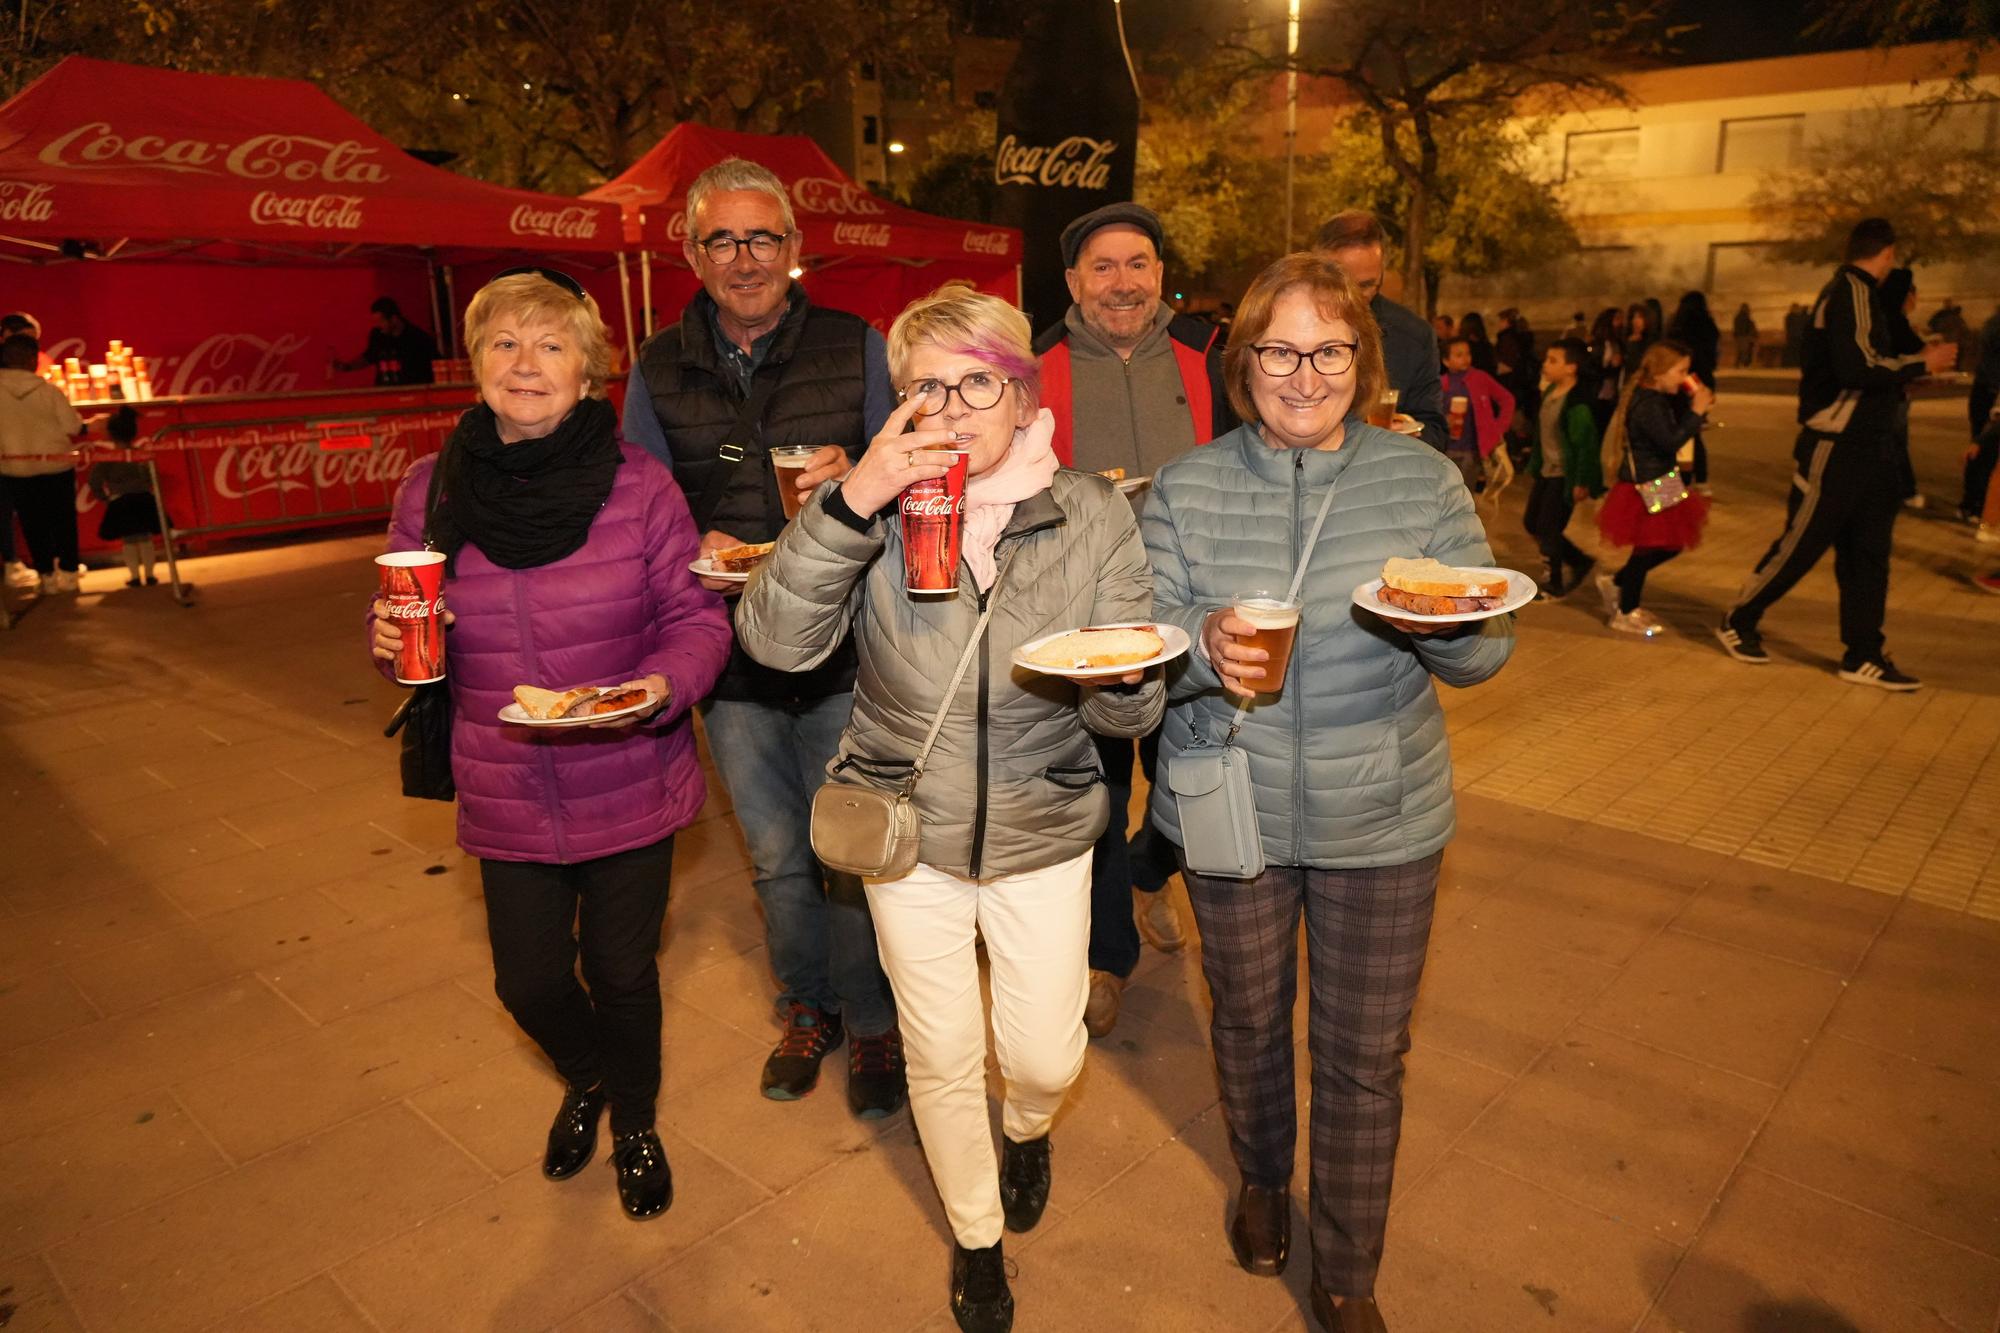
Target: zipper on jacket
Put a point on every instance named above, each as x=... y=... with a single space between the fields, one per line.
x=542 y=752
x=1298 y=663
x=979 y=769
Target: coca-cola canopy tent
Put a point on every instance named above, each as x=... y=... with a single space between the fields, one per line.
x=175 y=177
x=116 y=155
x=862 y=253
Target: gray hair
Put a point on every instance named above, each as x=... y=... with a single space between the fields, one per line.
x=735 y=173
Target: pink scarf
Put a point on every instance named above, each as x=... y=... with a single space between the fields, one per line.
x=1024 y=471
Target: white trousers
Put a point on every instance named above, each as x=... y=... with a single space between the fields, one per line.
x=1037 y=930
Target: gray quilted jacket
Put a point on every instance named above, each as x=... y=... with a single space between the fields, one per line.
x=1349 y=762
x=1014 y=783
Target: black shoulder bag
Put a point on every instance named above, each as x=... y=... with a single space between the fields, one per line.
x=424 y=719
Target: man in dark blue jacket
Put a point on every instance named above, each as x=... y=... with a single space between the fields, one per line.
x=1354 y=240
x=1846 y=491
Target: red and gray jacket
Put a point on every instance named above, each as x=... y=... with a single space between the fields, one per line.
x=1197 y=349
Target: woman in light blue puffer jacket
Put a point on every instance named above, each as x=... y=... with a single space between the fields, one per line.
x=1348 y=759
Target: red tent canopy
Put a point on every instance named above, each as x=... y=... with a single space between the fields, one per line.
x=112 y=153
x=838 y=217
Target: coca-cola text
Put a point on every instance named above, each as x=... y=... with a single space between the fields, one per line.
x=321 y=212
x=561 y=224
x=298 y=158
x=872 y=234
x=820 y=194
x=1076 y=163
x=25 y=203
x=988 y=243
x=932 y=513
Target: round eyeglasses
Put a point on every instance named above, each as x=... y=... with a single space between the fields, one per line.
x=978 y=391
x=762 y=245
x=1279 y=361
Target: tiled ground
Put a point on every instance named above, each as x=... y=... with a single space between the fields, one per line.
x=1670 y=1071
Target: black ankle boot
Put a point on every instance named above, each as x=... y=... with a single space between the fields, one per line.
x=980 y=1300
x=1024 y=1181
x=645 y=1181
x=573 y=1136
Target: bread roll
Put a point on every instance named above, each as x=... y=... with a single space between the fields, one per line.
x=1430 y=578
x=1095 y=649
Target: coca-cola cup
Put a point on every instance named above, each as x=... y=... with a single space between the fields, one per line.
x=1273 y=618
x=788 y=461
x=413 y=588
x=932 y=512
x=1455 y=415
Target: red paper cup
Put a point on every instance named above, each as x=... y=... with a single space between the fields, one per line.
x=413 y=586
x=933 y=512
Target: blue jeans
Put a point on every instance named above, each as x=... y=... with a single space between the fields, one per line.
x=816 y=925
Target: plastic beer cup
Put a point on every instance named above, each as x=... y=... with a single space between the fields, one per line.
x=1273 y=618
x=1382 y=412
x=788 y=461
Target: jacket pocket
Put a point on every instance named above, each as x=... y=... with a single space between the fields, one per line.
x=1075 y=777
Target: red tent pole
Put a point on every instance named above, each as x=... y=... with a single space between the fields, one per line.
x=646 y=289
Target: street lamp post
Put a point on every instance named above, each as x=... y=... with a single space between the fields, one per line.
x=1291 y=111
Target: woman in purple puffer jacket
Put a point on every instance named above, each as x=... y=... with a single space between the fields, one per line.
x=568 y=556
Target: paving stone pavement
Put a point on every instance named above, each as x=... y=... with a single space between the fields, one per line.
x=1708 y=1039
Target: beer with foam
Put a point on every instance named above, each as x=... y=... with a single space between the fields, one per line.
x=789 y=460
x=1274 y=625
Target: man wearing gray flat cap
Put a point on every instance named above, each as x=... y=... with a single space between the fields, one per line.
x=1132 y=386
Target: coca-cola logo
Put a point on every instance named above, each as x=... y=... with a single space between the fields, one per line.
x=21 y=202
x=1076 y=163
x=560 y=224
x=677 y=226
x=231 y=363
x=322 y=212
x=292 y=460
x=414 y=608
x=820 y=194
x=872 y=234
x=297 y=158
x=986 y=243
x=935 y=504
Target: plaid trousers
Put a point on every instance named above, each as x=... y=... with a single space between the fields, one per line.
x=1366 y=934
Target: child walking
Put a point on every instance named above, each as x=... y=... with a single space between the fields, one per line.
x=1650 y=509
x=131 y=515
x=1563 y=465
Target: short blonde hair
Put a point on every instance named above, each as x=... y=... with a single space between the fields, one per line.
x=960 y=319
x=1335 y=298
x=736 y=173
x=533 y=299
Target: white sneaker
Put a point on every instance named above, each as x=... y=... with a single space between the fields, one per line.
x=1634 y=622
x=20 y=576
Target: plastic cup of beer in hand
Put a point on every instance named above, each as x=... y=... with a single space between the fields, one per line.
x=1273 y=618
x=1382 y=412
x=789 y=460
x=932 y=512
x=1454 y=416
x=413 y=588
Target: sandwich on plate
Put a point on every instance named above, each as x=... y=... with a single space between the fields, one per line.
x=1428 y=588
x=584 y=701
x=739 y=559
x=1096 y=649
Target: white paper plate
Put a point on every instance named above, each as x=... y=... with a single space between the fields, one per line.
x=518 y=716
x=1173 y=636
x=703 y=568
x=1133 y=485
x=1520 y=591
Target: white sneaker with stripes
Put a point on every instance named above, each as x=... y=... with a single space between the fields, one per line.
x=1881 y=673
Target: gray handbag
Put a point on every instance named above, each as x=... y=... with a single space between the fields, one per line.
x=876 y=834
x=1211 y=783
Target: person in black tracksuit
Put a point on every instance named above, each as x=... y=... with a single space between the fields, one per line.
x=1846 y=491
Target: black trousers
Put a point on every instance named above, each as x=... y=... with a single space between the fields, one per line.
x=1979 y=473
x=1845 y=495
x=46 y=506
x=537 y=915
x=1631 y=580
x=1122 y=861
x=1366 y=935
x=1546 y=518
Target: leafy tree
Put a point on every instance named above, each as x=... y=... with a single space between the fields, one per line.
x=1220 y=202
x=1415 y=68
x=956 y=179
x=1913 y=165
x=1489 y=212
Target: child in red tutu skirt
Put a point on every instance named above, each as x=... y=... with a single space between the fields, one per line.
x=1661 y=410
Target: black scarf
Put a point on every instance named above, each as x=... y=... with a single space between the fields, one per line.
x=527 y=503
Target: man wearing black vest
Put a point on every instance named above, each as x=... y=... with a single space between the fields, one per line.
x=752 y=365
x=1355 y=241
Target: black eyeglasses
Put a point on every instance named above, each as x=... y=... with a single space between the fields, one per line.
x=1279 y=361
x=978 y=391
x=555 y=275
x=762 y=245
